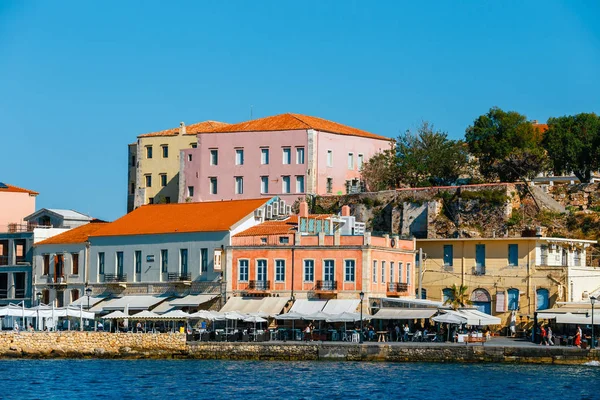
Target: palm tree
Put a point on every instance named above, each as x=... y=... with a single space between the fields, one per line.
x=458 y=297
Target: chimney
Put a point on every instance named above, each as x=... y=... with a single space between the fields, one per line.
x=346 y=211
x=303 y=209
x=182 y=130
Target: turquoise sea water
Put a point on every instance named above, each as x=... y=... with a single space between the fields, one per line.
x=189 y=379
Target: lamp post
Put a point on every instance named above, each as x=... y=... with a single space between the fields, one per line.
x=593 y=300
x=362 y=296
x=88 y=293
x=38 y=295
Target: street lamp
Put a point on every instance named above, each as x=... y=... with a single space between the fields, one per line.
x=88 y=293
x=593 y=300
x=362 y=296
x=38 y=295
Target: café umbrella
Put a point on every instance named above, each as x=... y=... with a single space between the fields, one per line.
x=254 y=319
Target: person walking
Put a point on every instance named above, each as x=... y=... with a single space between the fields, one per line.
x=397 y=330
x=406 y=331
x=549 y=336
x=577 y=340
x=544 y=337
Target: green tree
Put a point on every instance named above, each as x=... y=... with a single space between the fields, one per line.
x=573 y=145
x=379 y=172
x=507 y=146
x=428 y=157
x=458 y=297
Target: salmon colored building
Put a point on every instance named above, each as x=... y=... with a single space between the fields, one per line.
x=15 y=204
x=318 y=256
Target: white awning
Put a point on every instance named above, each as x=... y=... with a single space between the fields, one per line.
x=163 y=307
x=548 y=315
x=192 y=300
x=339 y=306
x=580 y=319
x=272 y=305
x=475 y=317
x=133 y=302
x=241 y=305
x=84 y=301
x=404 y=313
x=304 y=306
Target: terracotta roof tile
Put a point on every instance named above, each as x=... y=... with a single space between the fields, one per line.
x=541 y=127
x=193 y=129
x=213 y=216
x=75 y=235
x=289 y=121
x=5 y=187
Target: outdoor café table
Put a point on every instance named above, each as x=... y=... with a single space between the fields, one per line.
x=381 y=336
x=430 y=337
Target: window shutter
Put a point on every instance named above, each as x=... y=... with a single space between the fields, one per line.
x=500 y=302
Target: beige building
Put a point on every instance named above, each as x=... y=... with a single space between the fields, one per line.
x=154 y=161
x=506 y=275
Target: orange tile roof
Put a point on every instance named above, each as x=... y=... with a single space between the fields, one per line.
x=5 y=187
x=193 y=129
x=213 y=216
x=541 y=127
x=75 y=235
x=289 y=121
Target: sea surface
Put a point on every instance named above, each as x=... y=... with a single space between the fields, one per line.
x=191 y=379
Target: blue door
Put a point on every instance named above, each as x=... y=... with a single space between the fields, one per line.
x=542 y=299
x=483 y=306
x=513 y=299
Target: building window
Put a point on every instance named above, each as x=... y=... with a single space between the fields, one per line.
x=448 y=255
x=101 y=263
x=151 y=200
x=119 y=263
x=165 y=151
x=46 y=269
x=543 y=299
x=299 y=155
x=329 y=270
x=360 y=161
x=164 y=261
x=163 y=180
x=213 y=185
x=285 y=184
x=513 y=299
x=329 y=185
x=287 y=155
x=167 y=200
x=400 y=276
x=350 y=160
x=74 y=295
x=148 y=151
x=300 y=184
x=513 y=255
x=279 y=270
x=190 y=191
x=239 y=185
x=330 y=158
x=264 y=184
x=391 y=271
x=194 y=145
x=138 y=261
x=284 y=240
x=3 y=286
x=183 y=261
x=480 y=255
x=214 y=157
x=374 y=271
x=261 y=270
x=408 y=273
x=148 y=180
x=189 y=158
x=349 y=270
x=447 y=295
x=243 y=270
x=75 y=263
x=239 y=156
x=133 y=161
x=204 y=257
x=264 y=156
x=309 y=270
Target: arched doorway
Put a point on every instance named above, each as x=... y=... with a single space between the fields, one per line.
x=482 y=301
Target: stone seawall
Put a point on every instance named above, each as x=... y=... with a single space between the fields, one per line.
x=391 y=353
x=91 y=344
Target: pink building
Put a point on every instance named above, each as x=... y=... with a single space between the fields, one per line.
x=15 y=204
x=287 y=155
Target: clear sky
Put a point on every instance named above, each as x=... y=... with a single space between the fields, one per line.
x=79 y=80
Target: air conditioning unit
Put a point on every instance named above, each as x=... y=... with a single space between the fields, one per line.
x=275 y=208
x=269 y=211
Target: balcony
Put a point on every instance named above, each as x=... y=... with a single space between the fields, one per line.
x=396 y=288
x=326 y=286
x=479 y=270
x=259 y=286
x=179 y=277
x=56 y=280
x=115 y=278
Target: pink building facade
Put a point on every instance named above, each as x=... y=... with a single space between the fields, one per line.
x=15 y=204
x=287 y=155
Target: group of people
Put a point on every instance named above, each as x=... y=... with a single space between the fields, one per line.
x=548 y=338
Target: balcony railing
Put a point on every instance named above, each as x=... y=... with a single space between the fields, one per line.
x=57 y=279
x=115 y=278
x=397 y=287
x=179 y=277
x=19 y=293
x=326 y=285
x=259 y=285
x=479 y=270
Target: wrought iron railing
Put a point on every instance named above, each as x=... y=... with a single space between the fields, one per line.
x=326 y=285
x=115 y=278
x=179 y=277
x=259 y=285
x=396 y=287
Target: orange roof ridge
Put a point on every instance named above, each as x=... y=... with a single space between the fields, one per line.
x=15 y=189
x=154 y=219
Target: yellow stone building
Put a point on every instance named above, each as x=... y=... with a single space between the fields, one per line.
x=507 y=276
x=154 y=161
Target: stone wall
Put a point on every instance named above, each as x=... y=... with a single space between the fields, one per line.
x=90 y=344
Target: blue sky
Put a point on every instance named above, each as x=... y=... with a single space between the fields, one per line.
x=81 y=79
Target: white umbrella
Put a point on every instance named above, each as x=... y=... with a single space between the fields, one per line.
x=255 y=319
x=175 y=315
x=449 y=319
x=116 y=315
x=146 y=315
